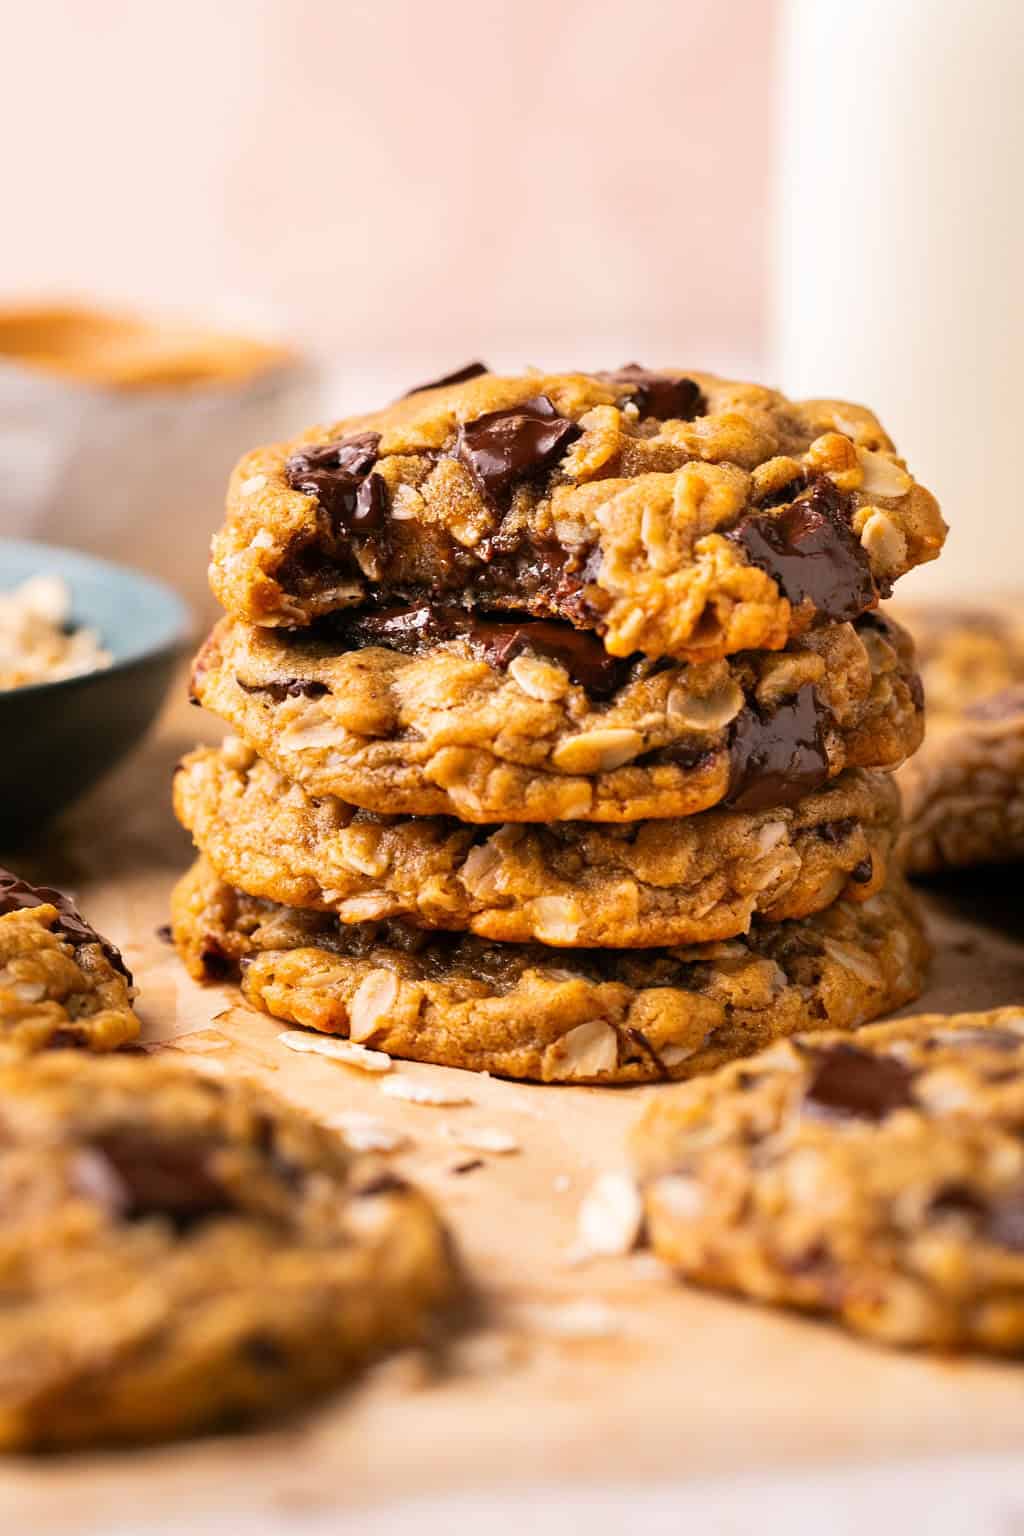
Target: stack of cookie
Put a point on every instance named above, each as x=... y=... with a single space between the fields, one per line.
x=564 y=725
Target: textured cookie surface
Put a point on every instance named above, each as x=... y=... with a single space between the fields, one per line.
x=407 y=712
x=880 y=1179
x=61 y=983
x=674 y=514
x=574 y=883
x=182 y=1252
x=964 y=791
x=555 y=1016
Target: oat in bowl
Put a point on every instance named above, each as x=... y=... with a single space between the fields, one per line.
x=87 y=652
x=39 y=642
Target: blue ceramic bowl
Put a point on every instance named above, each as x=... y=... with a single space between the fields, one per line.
x=57 y=739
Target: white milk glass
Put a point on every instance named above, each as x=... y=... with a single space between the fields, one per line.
x=900 y=256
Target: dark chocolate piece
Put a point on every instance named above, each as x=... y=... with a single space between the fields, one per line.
x=777 y=756
x=502 y=447
x=812 y=553
x=862 y=871
x=850 y=1083
x=135 y=1175
x=336 y=473
x=998 y=706
x=460 y=376
x=17 y=894
x=286 y=688
x=413 y=629
x=658 y=394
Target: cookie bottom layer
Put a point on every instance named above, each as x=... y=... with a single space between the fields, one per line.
x=523 y=1011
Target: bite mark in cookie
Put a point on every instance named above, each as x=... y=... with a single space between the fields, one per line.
x=642 y=505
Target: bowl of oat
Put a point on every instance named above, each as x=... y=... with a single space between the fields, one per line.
x=87 y=652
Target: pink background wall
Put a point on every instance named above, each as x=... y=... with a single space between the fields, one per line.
x=546 y=182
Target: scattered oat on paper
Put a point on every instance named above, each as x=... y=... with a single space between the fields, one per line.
x=610 y=1217
x=413 y=1092
x=35 y=644
x=365 y=1133
x=483 y=1138
x=586 y=1318
x=345 y=1051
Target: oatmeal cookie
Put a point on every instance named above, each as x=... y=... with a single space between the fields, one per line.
x=182 y=1253
x=61 y=984
x=410 y=711
x=881 y=1179
x=964 y=791
x=674 y=515
x=571 y=884
x=591 y=1016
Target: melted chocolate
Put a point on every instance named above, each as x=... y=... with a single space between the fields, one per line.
x=658 y=394
x=811 y=552
x=287 y=688
x=136 y=1175
x=460 y=376
x=778 y=756
x=17 y=894
x=336 y=474
x=412 y=630
x=502 y=447
x=998 y=706
x=848 y=1083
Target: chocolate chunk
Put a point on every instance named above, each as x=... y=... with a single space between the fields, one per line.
x=811 y=552
x=135 y=1175
x=658 y=394
x=372 y=505
x=17 y=895
x=998 y=706
x=862 y=871
x=502 y=447
x=850 y=1083
x=460 y=376
x=286 y=688
x=335 y=474
x=164 y=933
x=580 y=652
x=777 y=756
x=413 y=629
